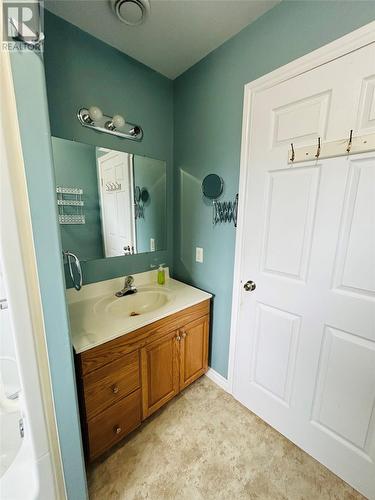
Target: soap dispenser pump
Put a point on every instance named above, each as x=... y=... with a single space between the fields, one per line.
x=161 y=274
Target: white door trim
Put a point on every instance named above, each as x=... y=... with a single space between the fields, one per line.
x=338 y=48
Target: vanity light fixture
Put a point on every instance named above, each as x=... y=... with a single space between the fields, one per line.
x=94 y=118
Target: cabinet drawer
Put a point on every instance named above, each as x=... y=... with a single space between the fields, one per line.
x=109 y=384
x=113 y=424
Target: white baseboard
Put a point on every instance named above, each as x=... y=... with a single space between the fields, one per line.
x=218 y=379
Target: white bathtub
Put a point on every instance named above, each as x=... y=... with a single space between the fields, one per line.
x=10 y=438
x=19 y=479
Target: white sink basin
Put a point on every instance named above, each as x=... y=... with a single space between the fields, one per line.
x=98 y=316
x=142 y=302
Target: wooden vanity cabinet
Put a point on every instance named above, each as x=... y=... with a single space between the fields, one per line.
x=160 y=372
x=193 y=351
x=123 y=381
x=172 y=363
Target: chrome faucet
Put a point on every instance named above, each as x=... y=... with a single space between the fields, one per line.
x=128 y=287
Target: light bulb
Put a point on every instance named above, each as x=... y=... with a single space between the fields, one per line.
x=95 y=113
x=118 y=121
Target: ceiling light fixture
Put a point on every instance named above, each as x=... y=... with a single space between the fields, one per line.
x=131 y=12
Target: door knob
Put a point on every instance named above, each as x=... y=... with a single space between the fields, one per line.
x=249 y=286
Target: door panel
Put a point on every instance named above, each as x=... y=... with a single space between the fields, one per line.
x=301 y=120
x=160 y=377
x=343 y=401
x=276 y=335
x=289 y=221
x=354 y=270
x=194 y=346
x=305 y=351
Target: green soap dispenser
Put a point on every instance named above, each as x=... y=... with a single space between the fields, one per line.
x=161 y=275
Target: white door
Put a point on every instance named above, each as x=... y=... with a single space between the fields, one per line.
x=117 y=205
x=305 y=345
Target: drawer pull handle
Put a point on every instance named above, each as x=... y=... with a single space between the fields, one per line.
x=117 y=429
x=115 y=389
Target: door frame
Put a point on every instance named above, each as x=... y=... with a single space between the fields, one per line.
x=323 y=55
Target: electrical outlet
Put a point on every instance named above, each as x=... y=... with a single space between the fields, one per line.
x=152 y=244
x=199 y=255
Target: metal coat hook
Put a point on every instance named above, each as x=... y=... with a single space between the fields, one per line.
x=292 y=158
x=318 y=149
x=350 y=142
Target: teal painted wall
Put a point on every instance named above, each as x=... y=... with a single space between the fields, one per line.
x=31 y=99
x=151 y=174
x=207 y=132
x=82 y=71
x=75 y=166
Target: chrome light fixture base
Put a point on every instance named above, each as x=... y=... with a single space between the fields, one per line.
x=128 y=131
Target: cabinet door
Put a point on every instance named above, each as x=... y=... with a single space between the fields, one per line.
x=160 y=376
x=193 y=351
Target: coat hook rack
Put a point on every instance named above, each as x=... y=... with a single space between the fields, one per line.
x=341 y=147
x=113 y=186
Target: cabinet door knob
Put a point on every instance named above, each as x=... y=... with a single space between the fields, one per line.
x=178 y=338
x=183 y=335
x=117 y=429
x=115 y=389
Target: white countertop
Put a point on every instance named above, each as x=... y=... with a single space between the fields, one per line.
x=92 y=323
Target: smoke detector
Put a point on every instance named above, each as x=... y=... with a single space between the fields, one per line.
x=131 y=12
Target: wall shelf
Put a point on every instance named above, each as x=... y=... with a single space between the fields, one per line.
x=70 y=197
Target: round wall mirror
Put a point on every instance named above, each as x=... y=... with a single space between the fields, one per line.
x=144 y=195
x=212 y=186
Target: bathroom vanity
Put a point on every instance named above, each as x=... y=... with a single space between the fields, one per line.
x=134 y=353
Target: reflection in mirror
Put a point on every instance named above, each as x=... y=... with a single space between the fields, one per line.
x=124 y=200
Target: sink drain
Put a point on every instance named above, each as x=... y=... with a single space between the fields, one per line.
x=133 y=314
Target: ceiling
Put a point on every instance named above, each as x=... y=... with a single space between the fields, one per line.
x=176 y=35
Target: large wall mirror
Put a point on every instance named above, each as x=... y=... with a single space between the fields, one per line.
x=110 y=202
